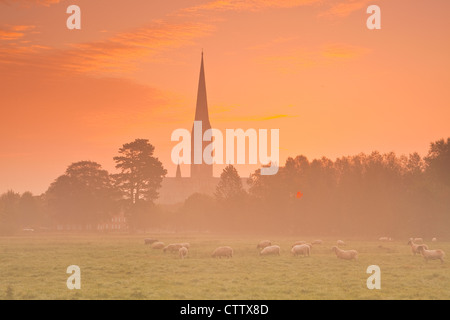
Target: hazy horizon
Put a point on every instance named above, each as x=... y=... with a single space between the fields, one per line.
x=309 y=68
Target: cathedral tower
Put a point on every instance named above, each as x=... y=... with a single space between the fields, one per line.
x=203 y=170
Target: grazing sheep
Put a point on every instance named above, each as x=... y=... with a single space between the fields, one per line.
x=431 y=254
x=301 y=249
x=385 y=239
x=317 y=242
x=415 y=247
x=186 y=245
x=150 y=241
x=158 y=245
x=298 y=243
x=222 y=252
x=340 y=243
x=271 y=250
x=418 y=240
x=174 y=247
x=433 y=240
x=183 y=252
x=263 y=244
x=345 y=254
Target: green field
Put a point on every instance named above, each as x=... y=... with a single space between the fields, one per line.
x=122 y=267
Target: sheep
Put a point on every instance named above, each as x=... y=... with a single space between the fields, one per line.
x=384 y=239
x=186 y=245
x=150 y=241
x=301 y=249
x=345 y=254
x=183 y=252
x=271 y=250
x=263 y=244
x=433 y=240
x=340 y=243
x=298 y=243
x=222 y=252
x=317 y=242
x=431 y=254
x=172 y=247
x=415 y=247
x=158 y=245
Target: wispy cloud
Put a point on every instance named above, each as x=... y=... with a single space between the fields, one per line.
x=246 y=5
x=122 y=51
x=231 y=113
x=345 y=8
x=343 y=51
x=118 y=54
x=251 y=118
x=28 y=3
x=221 y=109
x=8 y=33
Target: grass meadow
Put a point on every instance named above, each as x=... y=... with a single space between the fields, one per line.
x=122 y=267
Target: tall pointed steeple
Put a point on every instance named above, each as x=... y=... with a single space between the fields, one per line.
x=203 y=170
x=201 y=110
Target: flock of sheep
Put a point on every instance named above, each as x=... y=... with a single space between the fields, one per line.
x=417 y=246
x=298 y=248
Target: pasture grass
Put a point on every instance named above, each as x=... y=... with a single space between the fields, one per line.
x=122 y=267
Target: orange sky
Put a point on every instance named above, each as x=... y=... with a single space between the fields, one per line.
x=310 y=68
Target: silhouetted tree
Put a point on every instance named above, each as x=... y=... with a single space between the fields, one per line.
x=231 y=201
x=230 y=186
x=140 y=178
x=84 y=194
x=438 y=161
x=30 y=210
x=141 y=173
x=9 y=203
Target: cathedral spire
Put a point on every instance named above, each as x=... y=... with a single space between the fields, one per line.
x=201 y=110
x=201 y=171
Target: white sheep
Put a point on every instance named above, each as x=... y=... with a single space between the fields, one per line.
x=301 y=249
x=415 y=247
x=158 y=245
x=186 y=245
x=183 y=252
x=340 y=243
x=298 y=243
x=384 y=239
x=317 y=242
x=433 y=240
x=263 y=244
x=345 y=254
x=271 y=250
x=174 y=247
x=432 y=254
x=222 y=252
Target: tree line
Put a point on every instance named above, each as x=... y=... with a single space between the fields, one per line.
x=366 y=194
